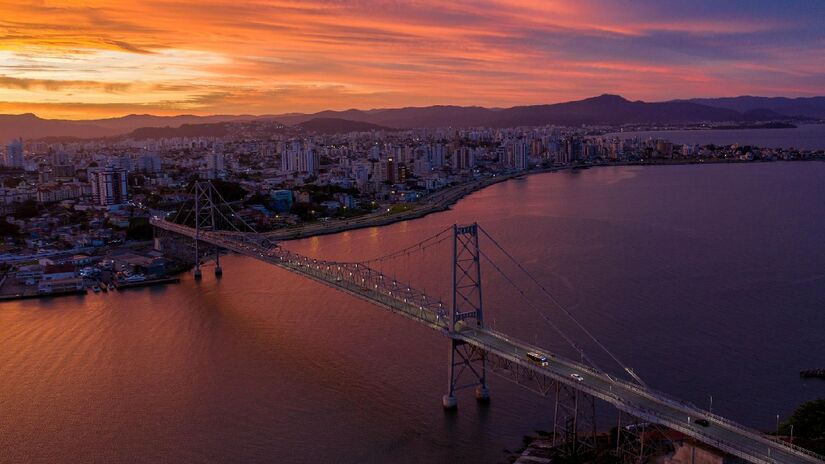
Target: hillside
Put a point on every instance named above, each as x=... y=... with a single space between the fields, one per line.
x=604 y=109
x=338 y=126
x=30 y=126
x=810 y=107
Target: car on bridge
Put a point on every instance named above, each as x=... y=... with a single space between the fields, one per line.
x=702 y=422
x=577 y=377
x=537 y=358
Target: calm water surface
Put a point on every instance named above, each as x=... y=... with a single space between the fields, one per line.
x=805 y=136
x=708 y=280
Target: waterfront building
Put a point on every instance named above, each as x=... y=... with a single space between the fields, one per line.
x=282 y=200
x=517 y=154
x=463 y=159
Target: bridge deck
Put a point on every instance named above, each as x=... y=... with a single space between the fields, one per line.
x=365 y=283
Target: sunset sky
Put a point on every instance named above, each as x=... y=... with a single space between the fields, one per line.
x=89 y=59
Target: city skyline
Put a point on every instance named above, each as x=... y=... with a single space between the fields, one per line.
x=108 y=59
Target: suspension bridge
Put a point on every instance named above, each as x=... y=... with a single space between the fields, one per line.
x=474 y=350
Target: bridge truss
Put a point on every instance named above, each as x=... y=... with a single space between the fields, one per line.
x=475 y=350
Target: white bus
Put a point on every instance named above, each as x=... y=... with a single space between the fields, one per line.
x=537 y=358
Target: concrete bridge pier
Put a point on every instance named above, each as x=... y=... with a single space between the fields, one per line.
x=482 y=394
x=218 y=269
x=449 y=402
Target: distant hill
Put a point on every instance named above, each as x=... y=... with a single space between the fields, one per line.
x=30 y=126
x=604 y=109
x=137 y=121
x=612 y=109
x=245 y=128
x=810 y=107
x=338 y=126
x=219 y=129
x=409 y=117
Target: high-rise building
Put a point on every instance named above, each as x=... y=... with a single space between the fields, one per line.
x=108 y=185
x=215 y=164
x=121 y=162
x=421 y=167
x=60 y=158
x=437 y=155
x=149 y=163
x=463 y=159
x=516 y=155
x=361 y=172
x=310 y=162
x=14 y=155
x=299 y=158
x=575 y=149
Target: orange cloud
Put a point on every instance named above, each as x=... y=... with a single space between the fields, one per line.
x=62 y=58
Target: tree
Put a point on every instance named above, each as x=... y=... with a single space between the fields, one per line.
x=808 y=423
x=12 y=182
x=139 y=229
x=27 y=210
x=7 y=229
x=230 y=191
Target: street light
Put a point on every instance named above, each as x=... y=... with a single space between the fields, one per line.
x=777 y=426
x=710 y=410
x=791 y=433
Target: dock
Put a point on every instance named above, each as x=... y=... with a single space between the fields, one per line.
x=147 y=283
x=33 y=295
x=813 y=374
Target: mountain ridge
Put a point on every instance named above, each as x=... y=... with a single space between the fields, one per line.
x=603 y=109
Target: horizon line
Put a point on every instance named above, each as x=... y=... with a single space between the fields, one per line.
x=298 y=113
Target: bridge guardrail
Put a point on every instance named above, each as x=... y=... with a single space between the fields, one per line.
x=230 y=242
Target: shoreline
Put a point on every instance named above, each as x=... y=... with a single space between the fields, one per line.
x=443 y=200
x=440 y=201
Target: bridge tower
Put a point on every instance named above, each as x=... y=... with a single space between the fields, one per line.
x=205 y=221
x=467 y=308
x=574 y=421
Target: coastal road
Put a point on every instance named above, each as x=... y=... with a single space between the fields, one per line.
x=437 y=201
x=646 y=404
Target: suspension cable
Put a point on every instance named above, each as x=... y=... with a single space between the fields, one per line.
x=234 y=214
x=532 y=305
x=423 y=244
x=565 y=310
x=182 y=206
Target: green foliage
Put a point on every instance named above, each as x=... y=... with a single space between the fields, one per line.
x=345 y=213
x=12 y=182
x=230 y=191
x=7 y=229
x=808 y=420
x=306 y=211
x=137 y=180
x=139 y=229
x=260 y=199
x=808 y=426
x=27 y=210
x=400 y=207
x=78 y=218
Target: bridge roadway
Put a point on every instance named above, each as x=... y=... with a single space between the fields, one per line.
x=644 y=403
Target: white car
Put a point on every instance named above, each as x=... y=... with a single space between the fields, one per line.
x=577 y=377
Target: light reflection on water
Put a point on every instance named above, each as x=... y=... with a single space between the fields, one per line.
x=705 y=279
